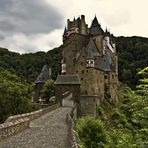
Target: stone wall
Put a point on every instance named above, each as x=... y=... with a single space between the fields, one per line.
x=73 y=139
x=18 y=123
x=33 y=115
x=11 y=128
x=87 y=105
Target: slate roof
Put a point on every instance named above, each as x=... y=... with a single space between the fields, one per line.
x=96 y=27
x=107 y=61
x=67 y=79
x=43 y=76
x=92 y=50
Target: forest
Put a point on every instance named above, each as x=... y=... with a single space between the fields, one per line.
x=125 y=125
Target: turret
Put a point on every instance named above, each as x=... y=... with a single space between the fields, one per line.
x=83 y=27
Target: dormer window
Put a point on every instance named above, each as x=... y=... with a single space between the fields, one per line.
x=90 y=63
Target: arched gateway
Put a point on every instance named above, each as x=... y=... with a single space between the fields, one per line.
x=68 y=83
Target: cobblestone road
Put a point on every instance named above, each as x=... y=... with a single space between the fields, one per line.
x=48 y=131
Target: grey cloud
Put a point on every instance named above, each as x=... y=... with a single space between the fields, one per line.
x=28 y=16
x=2 y=37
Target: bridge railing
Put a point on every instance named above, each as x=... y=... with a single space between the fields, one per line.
x=18 y=123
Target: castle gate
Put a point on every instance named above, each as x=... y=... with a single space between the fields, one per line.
x=66 y=84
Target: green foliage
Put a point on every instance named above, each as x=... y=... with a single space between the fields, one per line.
x=28 y=66
x=132 y=55
x=143 y=86
x=48 y=90
x=92 y=132
x=125 y=125
x=14 y=95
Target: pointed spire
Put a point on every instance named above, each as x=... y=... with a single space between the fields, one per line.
x=107 y=33
x=96 y=27
x=95 y=22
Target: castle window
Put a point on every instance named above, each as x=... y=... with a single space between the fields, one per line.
x=76 y=71
x=112 y=76
x=105 y=76
x=81 y=79
x=82 y=63
x=84 y=57
x=91 y=62
x=82 y=71
x=87 y=71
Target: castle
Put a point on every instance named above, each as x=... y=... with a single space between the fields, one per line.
x=90 y=54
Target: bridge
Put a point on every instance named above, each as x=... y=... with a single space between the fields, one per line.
x=48 y=131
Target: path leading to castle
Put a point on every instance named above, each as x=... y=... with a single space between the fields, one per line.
x=48 y=131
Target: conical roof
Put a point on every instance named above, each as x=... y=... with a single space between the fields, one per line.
x=96 y=27
x=95 y=22
x=43 y=76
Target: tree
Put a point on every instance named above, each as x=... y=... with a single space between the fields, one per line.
x=15 y=96
x=48 y=90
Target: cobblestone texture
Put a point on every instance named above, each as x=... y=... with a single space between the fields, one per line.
x=48 y=131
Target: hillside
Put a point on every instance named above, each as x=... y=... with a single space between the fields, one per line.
x=132 y=54
x=28 y=66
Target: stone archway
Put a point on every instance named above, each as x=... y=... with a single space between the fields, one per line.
x=67 y=83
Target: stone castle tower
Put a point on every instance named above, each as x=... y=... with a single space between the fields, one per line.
x=90 y=54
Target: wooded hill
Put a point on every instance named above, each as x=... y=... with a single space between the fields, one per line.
x=132 y=55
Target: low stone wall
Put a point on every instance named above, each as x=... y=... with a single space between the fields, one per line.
x=11 y=128
x=33 y=115
x=18 y=123
x=73 y=139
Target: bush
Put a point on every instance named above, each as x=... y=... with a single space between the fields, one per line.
x=91 y=132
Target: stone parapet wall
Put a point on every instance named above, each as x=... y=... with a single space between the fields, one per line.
x=18 y=123
x=73 y=139
x=11 y=128
x=33 y=115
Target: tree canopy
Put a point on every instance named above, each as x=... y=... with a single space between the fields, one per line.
x=15 y=96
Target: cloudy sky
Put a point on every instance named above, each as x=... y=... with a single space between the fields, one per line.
x=37 y=25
